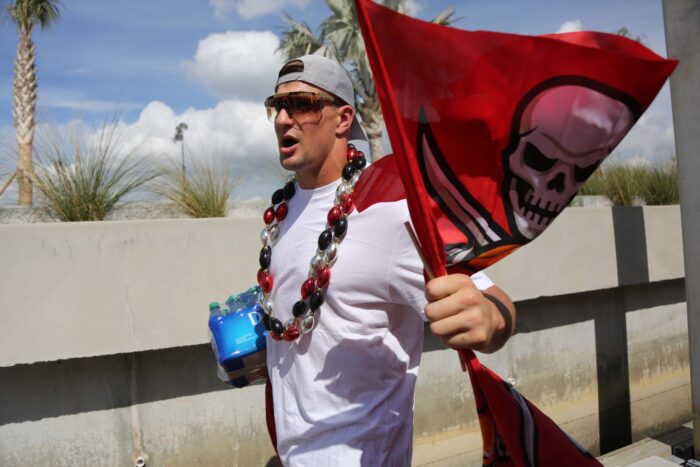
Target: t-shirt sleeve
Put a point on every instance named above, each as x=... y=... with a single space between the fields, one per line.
x=405 y=275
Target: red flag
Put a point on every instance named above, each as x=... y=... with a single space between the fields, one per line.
x=502 y=129
x=493 y=135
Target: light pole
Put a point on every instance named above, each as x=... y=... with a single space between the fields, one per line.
x=180 y=136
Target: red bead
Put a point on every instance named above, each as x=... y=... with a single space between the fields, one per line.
x=307 y=288
x=352 y=153
x=269 y=215
x=281 y=212
x=291 y=334
x=360 y=154
x=334 y=214
x=347 y=203
x=275 y=336
x=323 y=277
x=265 y=280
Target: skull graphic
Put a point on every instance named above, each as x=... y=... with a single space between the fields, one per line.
x=564 y=134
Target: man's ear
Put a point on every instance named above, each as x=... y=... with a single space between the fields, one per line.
x=344 y=120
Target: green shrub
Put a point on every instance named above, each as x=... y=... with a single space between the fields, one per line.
x=660 y=184
x=86 y=177
x=621 y=182
x=203 y=191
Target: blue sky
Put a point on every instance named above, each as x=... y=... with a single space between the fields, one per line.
x=157 y=62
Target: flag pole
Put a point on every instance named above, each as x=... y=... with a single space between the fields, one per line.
x=682 y=27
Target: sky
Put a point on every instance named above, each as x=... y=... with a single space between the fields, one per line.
x=151 y=64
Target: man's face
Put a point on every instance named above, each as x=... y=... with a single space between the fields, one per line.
x=305 y=143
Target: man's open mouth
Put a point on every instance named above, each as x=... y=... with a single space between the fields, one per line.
x=288 y=141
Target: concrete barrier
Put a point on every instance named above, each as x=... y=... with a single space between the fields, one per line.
x=104 y=353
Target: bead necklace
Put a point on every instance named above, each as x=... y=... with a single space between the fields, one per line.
x=319 y=276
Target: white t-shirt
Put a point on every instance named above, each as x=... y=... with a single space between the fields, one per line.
x=343 y=394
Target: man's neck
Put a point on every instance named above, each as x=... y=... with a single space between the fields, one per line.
x=329 y=171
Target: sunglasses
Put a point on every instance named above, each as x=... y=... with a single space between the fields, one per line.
x=298 y=104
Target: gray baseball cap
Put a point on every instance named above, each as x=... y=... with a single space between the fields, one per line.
x=328 y=75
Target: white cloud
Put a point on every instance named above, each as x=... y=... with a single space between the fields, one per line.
x=248 y=9
x=235 y=132
x=237 y=64
x=571 y=26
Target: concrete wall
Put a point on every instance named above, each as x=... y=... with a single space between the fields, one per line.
x=103 y=355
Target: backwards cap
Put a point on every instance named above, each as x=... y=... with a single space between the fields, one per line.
x=328 y=75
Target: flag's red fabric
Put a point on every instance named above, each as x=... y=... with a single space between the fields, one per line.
x=493 y=134
x=502 y=129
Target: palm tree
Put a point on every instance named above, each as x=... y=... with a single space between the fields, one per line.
x=26 y=14
x=340 y=38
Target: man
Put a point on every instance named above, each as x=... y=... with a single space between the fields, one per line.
x=343 y=389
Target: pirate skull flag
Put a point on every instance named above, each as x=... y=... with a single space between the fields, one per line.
x=493 y=135
x=501 y=129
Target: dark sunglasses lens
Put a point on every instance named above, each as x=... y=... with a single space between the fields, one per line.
x=293 y=105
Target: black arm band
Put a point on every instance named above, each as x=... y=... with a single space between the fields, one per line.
x=504 y=311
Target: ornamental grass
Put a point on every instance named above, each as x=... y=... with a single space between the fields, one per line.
x=621 y=182
x=85 y=177
x=660 y=184
x=202 y=191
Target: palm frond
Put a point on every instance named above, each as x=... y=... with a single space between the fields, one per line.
x=28 y=13
x=298 y=39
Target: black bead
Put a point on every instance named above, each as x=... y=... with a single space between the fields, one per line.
x=348 y=170
x=340 y=227
x=299 y=308
x=288 y=191
x=351 y=146
x=276 y=326
x=278 y=196
x=266 y=321
x=325 y=239
x=316 y=300
x=360 y=162
x=265 y=257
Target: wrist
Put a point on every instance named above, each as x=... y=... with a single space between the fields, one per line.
x=505 y=326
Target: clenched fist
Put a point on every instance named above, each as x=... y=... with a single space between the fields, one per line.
x=464 y=317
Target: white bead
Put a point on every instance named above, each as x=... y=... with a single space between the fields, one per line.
x=355 y=178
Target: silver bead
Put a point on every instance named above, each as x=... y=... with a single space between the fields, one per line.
x=340 y=191
x=264 y=236
x=355 y=178
x=307 y=324
x=262 y=296
x=316 y=261
x=274 y=232
x=331 y=254
x=266 y=304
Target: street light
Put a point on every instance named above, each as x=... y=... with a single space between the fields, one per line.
x=180 y=136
